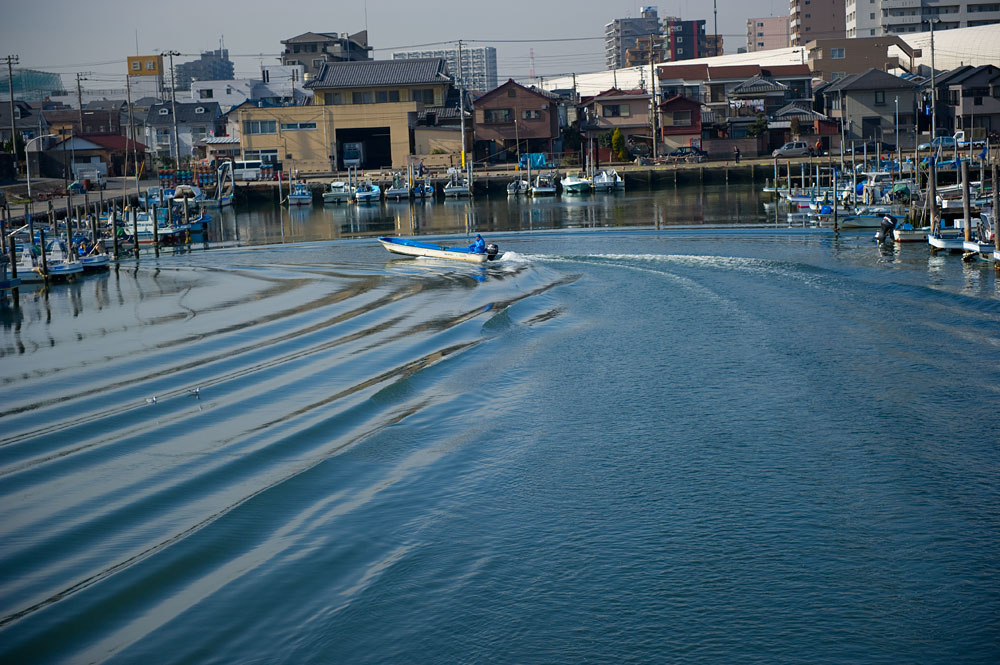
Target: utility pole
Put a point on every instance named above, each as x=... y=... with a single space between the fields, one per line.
x=131 y=130
x=652 y=99
x=12 y=60
x=173 y=110
x=715 y=37
x=461 y=103
x=933 y=86
x=79 y=99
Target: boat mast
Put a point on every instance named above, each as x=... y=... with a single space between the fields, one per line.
x=461 y=112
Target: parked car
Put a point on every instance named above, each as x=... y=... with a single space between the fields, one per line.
x=793 y=149
x=871 y=147
x=688 y=154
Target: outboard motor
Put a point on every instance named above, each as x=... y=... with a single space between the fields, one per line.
x=885 y=229
x=492 y=250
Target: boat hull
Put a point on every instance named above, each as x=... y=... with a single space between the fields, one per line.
x=405 y=247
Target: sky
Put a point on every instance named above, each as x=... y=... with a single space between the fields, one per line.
x=550 y=37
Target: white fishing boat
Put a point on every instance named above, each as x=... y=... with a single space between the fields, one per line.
x=909 y=233
x=573 y=184
x=300 y=195
x=59 y=263
x=368 y=192
x=193 y=195
x=408 y=247
x=519 y=186
x=399 y=189
x=607 y=180
x=457 y=186
x=545 y=185
x=338 y=191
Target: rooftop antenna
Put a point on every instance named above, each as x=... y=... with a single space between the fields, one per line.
x=137 y=42
x=366 y=15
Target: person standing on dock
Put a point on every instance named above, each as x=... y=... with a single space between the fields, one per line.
x=736 y=153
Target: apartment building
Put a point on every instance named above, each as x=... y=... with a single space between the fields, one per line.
x=815 y=19
x=866 y=18
x=621 y=33
x=768 y=33
x=313 y=49
x=478 y=70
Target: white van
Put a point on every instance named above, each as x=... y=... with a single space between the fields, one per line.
x=247 y=169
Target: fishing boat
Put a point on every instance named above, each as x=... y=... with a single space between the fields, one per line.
x=368 y=192
x=59 y=263
x=300 y=195
x=545 y=185
x=225 y=189
x=607 y=180
x=408 y=247
x=193 y=195
x=338 y=192
x=908 y=233
x=456 y=186
x=518 y=186
x=399 y=188
x=573 y=184
x=423 y=190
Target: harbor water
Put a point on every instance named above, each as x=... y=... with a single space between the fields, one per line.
x=666 y=427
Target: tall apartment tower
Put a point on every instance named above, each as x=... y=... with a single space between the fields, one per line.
x=621 y=34
x=685 y=40
x=211 y=66
x=767 y=33
x=479 y=65
x=816 y=19
x=873 y=18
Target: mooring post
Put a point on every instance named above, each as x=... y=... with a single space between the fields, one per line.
x=966 y=215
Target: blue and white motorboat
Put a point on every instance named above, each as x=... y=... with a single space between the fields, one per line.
x=545 y=185
x=607 y=180
x=368 y=192
x=408 y=247
x=300 y=195
x=423 y=190
x=399 y=189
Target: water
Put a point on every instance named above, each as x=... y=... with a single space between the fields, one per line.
x=751 y=443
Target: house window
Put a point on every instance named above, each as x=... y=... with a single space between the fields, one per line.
x=361 y=98
x=424 y=95
x=266 y=156
x=198 y=133
x=837 y=53
x=200 y=110
x=879 y=97
x=318 y=63
x=511 y=92
x=496 y=116
x=383 y=96
x=295 y=126
x=164 y=111
x=531 y=114
x=677 y=119
x=616 y=111
x=334 y=98
x=260 y=127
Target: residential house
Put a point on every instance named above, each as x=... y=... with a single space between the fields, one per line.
x=513 y=119
x=111 y=155
x=314 y=49
x=277 y=85
x=869 y=104
x=28 y=122
x=625 y=110
x=969 y=97
x=680 y=122
x=830 y=59
x=194 y=121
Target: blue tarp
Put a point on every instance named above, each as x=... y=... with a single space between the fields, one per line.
x=537 y=160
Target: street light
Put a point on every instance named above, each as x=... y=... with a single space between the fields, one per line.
x=27 y=161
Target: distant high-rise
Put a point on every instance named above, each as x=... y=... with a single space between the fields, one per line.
x=621 y=34
x=685 y=40
x=479 y=65
x=767 y=33
x=313 y=49
x=211 y=66
x=816 y=19
x=900 y=16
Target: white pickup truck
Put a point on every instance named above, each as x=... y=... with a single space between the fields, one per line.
x=952 y=142
x=96 y=177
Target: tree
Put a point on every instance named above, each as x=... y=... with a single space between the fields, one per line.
x=618 y=146
x=758 y=127
x=795 y=127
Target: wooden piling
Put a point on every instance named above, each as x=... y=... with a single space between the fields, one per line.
x=966 y=213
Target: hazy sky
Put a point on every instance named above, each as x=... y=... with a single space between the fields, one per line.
x=96 y=36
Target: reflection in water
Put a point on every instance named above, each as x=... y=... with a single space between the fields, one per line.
x=267 y=223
